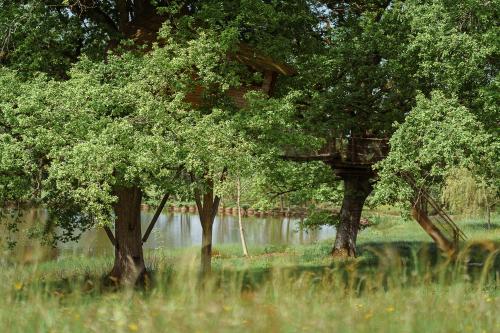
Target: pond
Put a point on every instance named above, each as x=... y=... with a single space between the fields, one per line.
x=176 y=230
x=179 y=230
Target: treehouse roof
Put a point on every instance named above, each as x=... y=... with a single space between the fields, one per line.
x=146 y=33
x=259 y=62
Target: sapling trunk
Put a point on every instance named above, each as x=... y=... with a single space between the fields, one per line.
x=488 y=211
x=240 y=223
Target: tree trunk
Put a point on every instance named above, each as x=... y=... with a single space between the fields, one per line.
x=206 y=247
x=488 y=211
x=240 y=222
x=356 y=189
x=207 y=209
x=129 y=260
x=208 y=206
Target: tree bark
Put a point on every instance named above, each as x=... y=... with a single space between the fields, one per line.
x=240 y=222
x=208 y=206
x=129 y=259
x=488 y=211
x=206 y=247
x=207 y=209
x=356 y=190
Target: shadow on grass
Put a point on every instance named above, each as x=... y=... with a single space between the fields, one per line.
x=419 y=256
x=387 y=263
x=404 y=263
x=481 y=226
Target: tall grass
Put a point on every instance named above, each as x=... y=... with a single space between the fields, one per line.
x=399 y=283
x=286 y=291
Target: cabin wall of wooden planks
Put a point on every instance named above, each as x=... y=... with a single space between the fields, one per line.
x=237 y=94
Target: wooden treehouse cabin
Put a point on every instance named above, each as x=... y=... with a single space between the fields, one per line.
x=348 y=156
x=256 y=63
x=144 y=32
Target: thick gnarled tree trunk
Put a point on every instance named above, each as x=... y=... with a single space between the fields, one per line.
x=356 y=190
x=129 y=259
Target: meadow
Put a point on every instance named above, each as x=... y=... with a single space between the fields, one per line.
x=398 y=283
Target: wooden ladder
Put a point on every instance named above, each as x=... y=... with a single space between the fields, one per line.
x=445 y=233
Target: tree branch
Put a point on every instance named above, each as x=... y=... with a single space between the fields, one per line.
x=215 y=206
x=88 y=9
x=197 y=195
x=111 y=237
x=277 y=194
x=155 y=217
x=309 y=158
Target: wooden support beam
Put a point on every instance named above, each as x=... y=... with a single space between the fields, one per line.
x=155 y=217
x=441 y=241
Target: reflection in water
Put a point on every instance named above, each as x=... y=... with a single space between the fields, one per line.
x=177 y=230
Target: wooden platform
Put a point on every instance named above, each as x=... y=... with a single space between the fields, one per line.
x=347 y=156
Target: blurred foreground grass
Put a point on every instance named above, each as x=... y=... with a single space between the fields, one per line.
x=399 y=283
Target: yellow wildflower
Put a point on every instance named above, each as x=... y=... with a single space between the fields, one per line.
x=389 y=309
x=18 y=285
x=133 y=327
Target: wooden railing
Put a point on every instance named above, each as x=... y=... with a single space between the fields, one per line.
x=441 y=228
x=357 y=150
x=344 y=152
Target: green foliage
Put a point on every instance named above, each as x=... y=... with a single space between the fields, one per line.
x=126 y=122
x=294 y=183
x=437 y=136
x=38 y=35
x=318 y=218
x=464 y=194
x=113 y=134
x=217 y=135
x=431 y=66
x=21 y=157
x=452 y=43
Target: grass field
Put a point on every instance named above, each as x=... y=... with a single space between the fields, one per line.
x=399 y=283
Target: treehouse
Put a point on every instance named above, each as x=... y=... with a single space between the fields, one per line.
x=347 y=155
x=145 y=33
x=354 y=155
x=256 y=63
x=352 y=159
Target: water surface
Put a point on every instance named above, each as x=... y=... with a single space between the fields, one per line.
x=180 y=230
